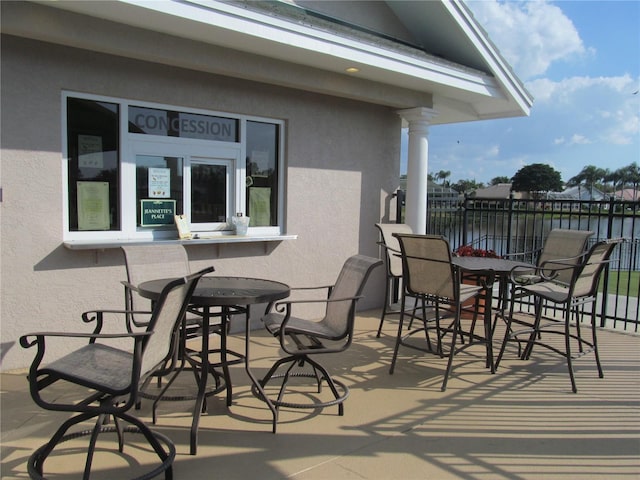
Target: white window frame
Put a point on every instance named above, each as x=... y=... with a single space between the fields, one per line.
x=234 y=153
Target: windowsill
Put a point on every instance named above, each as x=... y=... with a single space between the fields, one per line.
x=202 y=240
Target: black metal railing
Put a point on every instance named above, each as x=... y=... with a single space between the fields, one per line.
x=514 y=225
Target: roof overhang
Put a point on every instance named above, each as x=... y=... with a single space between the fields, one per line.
x=467 y=80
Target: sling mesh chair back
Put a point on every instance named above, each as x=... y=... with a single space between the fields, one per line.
x=429 y=274
x=393 y=264
x=303 y=338
x=109 y=374
x=561 y=244
x=152 y=262
x=572 y=297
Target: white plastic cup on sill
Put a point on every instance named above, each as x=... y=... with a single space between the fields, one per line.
x=241 y=224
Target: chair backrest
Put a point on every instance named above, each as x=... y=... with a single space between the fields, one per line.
x=561 y=243
x=150 y=262
x=588 y=274
x=427 y=267
x=339 y=316
x=167 y=314
x=391 y=246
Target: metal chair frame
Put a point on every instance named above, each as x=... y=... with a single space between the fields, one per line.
x=393 y=266
x=430 y=276
x=581 y=290
x=302 y=339
x=111 y=375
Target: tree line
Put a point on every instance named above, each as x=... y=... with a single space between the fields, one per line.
x=540 y=178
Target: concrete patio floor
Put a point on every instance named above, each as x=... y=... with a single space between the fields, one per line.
x=521 y=423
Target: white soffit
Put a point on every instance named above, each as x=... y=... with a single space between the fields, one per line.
x=460 y=93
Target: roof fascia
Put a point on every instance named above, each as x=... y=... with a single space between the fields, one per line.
x=500 y=68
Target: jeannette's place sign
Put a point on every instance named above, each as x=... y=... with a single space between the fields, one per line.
x=154 y=213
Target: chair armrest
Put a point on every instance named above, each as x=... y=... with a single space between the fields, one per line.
x=25 y=343
x=98 y=316
x=129 y=286
x=282 y=305
x=387 y=247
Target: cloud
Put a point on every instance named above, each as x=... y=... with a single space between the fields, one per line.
x=611 y=115
x=530 y=35
x=577 y=139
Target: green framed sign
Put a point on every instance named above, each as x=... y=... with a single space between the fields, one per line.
x=157 y=213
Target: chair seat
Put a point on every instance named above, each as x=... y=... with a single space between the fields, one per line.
x=550 y=291
x=273 y=322
x=95 y=366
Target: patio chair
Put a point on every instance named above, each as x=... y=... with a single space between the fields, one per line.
x=147 y=262
x=393 y=265
x=572 y=297
x=430 y=276
x=561 y=245
x=109 y=376
x=302 y=339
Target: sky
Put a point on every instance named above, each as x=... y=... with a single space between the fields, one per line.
x=580 y=60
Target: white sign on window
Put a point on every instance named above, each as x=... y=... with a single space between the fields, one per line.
x=90 y=151
x=159 y=182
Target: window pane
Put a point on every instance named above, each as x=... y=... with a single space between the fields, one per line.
x=160 y=179
x=208 y=193
x=93 y=163
x=262 y=172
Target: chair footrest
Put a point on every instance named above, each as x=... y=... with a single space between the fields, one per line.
x=37 y=458
x=320 y=404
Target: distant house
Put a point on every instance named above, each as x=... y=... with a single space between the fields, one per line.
x=628 y=194
x=578 y=193
x=496 y=194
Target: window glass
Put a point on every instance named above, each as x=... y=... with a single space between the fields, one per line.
x=209 y=193
x=262 y=173
x=93 y=165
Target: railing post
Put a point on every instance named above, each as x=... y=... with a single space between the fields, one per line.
x=399 y=204
x=509 y=222
x=463 y=240
x=605 y=276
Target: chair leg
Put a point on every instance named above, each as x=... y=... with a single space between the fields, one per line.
x=285 y=381
x=535 y=333
x=152 y=438
x=594 y=341
x=92 y=444
x=567 y=343
x=398 y=338
x=507 y=337
x=387 y=302
x=456 y=328
x=329 y=381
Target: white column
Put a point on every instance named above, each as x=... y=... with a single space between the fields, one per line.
x=415 y=212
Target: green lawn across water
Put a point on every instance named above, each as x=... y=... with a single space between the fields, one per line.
x=628 y=283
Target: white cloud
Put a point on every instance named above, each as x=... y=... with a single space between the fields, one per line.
x=604 y=108
x=577 y=139
x=530 y=35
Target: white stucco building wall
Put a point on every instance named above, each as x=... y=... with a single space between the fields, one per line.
x=341 y=137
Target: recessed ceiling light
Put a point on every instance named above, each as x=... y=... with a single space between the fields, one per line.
x=352 y=70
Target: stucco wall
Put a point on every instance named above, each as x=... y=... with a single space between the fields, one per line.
x=342 y=160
